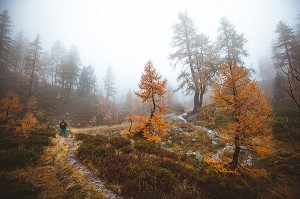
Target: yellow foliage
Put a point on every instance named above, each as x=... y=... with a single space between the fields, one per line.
x=220 y=168
x=152 y=88
x=27 y=124
x=245 y=106
x=10 y=104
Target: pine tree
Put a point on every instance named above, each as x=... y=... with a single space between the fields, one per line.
x=5 y=40
x=244 y=105
x=152 y=89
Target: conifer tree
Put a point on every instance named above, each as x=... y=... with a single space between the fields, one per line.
x=152 y=88
x=33 y=62
x=245 y=107
x=5 y=40
x=10 y=104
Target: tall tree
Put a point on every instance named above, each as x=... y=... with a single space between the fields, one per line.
x=69 y=72
x=265 y=68
x=5 y=40
x=230 y=43
x=57 y=54
x=109 y=84
x=152 y=88
x=33 y=62
x=83 y=82
x=194 y=53
x=245 y=108
x=285 y=50
x=18 y=53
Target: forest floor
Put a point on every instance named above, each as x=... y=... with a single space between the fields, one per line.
x=96 y=162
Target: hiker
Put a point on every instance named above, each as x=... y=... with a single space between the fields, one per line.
x=63 y=126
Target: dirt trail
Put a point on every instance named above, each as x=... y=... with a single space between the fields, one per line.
x=94 y=180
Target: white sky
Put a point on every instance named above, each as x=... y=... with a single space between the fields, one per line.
x=126 y=33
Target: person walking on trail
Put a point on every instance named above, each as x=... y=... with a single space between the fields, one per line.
x=63 y=126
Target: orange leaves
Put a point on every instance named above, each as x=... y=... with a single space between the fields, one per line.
x=27 y=124
x=152 y=89
x=151 y=84
x=244 y=104
x=10 y=104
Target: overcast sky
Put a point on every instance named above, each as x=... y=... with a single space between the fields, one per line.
x=127 y=33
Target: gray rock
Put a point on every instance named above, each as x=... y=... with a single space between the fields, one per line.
x=214 y=142
x=286 y=153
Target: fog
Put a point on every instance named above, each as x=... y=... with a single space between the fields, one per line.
x=125 y=34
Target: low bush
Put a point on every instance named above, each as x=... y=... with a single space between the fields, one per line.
x=156 y=173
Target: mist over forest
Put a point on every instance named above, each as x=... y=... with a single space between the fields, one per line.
x=172 y=99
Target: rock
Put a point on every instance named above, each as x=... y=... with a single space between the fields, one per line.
x=189 y=152
x=181 y=142
x=176 y=129
x=286 y=153
x=197 y=155
x=194 y=153
x=174 y=118
x=193 y=140
x=214 y=142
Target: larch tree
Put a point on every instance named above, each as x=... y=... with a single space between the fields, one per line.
x=109 y=84
x=231 y=44
x=10 y=104
x=195 y=53
x=152 y=88
x=57 y=54
x=285 y=50
x=245 y=108
x=5 y=40
x=32 y=66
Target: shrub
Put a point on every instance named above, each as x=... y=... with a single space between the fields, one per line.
x=119 y=142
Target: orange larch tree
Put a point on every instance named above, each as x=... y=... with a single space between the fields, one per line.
x=248 y=113
x=152 y=88
x=28 y=123
x=10 y=104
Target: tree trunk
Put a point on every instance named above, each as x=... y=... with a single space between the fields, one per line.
x=196 y=102
x=235 y=158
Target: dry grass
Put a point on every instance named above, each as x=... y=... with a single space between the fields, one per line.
x=102 y=130
x=54 y=177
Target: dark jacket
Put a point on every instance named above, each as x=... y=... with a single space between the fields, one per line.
x=63 y=125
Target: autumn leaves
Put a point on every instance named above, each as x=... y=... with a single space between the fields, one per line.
x=152 y=89
x=11 y=107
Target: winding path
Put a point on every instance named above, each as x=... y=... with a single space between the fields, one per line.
x=94 y=180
